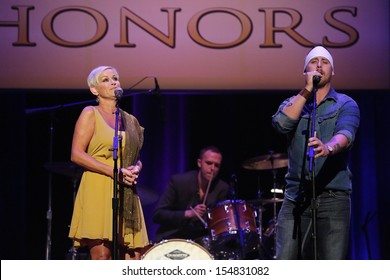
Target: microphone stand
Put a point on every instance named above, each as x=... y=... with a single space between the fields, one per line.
x=49 y=213
x=156 y=91
x=115 y=169
x=115 y=192
x=313 y=204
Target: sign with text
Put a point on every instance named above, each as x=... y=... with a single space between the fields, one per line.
x=192 y=45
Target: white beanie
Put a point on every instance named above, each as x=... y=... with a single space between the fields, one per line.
x=318 y=51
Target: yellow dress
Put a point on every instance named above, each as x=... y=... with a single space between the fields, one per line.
x=92 y=213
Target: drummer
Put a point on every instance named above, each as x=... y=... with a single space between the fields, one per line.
x=181 y=211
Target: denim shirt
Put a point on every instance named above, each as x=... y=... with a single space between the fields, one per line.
x=336 y=114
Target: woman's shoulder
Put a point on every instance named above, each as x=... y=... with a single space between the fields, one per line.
x=89 y=108
x=88 y=112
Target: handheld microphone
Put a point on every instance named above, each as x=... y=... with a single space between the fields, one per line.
x=118 y=93
x=316 y=79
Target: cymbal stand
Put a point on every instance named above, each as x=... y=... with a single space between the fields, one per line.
x=236 y=216
x=260 y=218
x=72 y=251
x=275 y=218
x=259 y=213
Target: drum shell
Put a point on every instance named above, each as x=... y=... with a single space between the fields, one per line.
x=223 y=219
x=177 y=249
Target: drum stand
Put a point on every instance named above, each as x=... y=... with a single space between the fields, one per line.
x=240 y=233
x=275 y=217
x=72 y=251
x=270 y=161
x=237 y=216
x=259 y=213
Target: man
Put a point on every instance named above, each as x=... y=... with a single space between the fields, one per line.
x=181 y=211
x=317 y=161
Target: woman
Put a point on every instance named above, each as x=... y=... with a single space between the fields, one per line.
x=92 y=144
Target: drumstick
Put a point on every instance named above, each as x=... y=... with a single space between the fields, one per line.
x=208 y=187
x=199 y=217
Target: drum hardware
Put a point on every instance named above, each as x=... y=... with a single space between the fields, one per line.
x=265 y=201
x=280 y=191
x=272 y=161
x=73 y=171
x=72 y=251
x=205 y=242
x=68 y=169
x=237 y=216
x=274 y=197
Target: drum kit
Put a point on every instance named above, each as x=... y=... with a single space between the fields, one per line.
x=235 y=226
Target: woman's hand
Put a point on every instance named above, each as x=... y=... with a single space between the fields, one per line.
x=129 y=175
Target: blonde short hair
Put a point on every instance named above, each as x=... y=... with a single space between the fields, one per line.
x=93 y=77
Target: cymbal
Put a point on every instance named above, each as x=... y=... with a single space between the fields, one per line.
x=265 y=201
x=68 y=169
x=266 y=162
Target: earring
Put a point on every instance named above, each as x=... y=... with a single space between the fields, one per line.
x=97 y=100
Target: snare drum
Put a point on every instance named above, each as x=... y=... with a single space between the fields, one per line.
x=177 y=249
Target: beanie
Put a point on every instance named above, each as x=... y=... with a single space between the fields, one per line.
x=318 y=51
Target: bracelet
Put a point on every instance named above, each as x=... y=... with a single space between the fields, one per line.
x=305 y=93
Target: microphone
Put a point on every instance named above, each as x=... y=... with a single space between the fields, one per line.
x=316 y=79
x=118 y=93
x=156 y=86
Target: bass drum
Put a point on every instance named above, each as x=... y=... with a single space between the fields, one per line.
x=177 y=249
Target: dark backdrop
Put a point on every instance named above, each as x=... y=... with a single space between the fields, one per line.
x=177 y=125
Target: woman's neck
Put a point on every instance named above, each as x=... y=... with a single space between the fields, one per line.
x=108 y=108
